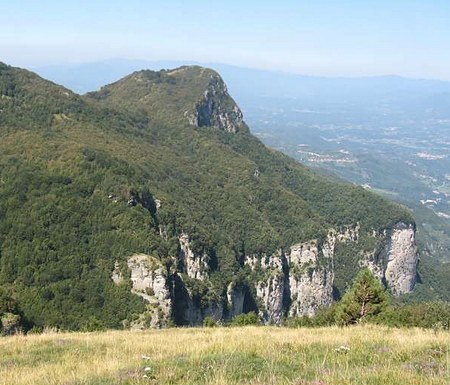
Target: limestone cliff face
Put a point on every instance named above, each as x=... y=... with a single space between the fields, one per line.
x=301 y=281
x=396 y=264
x=116 y=275
x=311 y=273
x=150 y=282
x=216 y=109
x=401 y=267
x=235 y=298
x=271 y=291
x=188 y=309
x=311 y=276
x=194 y=265
x=295 y=282
x=372 y=262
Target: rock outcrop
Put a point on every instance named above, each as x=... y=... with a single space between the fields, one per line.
x=270 y=290
x=396 y=264
x=311 y=276
x=216 y=109
x=117 y=275
x=401 y=267
x=188 y=308
x=301 y=281
x=149 y=281
x=294 y=283
x=193 y=264
x=235 y=298
x=271 y=294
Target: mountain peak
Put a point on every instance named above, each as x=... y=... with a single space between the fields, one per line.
x=216 y=108
x=191 y=94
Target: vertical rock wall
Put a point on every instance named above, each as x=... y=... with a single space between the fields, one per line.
x=401 y=267
x=194 y=265
x=294 y=283
x=150 y=282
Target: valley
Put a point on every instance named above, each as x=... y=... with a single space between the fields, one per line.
x=405 y=160
x=404 y=156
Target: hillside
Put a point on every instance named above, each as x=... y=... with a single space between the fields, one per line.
x=150 y=202
x=386 y=132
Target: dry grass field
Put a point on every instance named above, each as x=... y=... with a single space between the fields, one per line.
x=245 y=355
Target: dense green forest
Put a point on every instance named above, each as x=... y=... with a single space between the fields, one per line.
x=80 y=175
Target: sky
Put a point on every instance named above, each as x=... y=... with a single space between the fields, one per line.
x=316 y=37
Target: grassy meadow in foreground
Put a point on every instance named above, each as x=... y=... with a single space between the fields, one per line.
x=246 y=355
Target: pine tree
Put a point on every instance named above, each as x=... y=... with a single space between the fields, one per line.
x=366 y=298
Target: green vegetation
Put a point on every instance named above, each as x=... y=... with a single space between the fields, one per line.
x=9 y=314
x=209 y=322
x=426 y=315
x=246 y=319
x=430 y=315
x=365 y=299
x=79 y=178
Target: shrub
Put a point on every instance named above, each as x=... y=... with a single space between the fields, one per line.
x=299 y=322
x=10 y=323
x=250 y=318
x=35 y=330
x=209 y=322
x=323 y=317
x=430 y=315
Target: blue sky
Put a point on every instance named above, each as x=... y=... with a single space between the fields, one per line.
x=317 y=37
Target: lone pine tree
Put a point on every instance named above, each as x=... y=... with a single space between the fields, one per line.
x=365 y=298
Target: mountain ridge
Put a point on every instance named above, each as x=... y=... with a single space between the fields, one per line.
x=225 y=224
x=87 y=73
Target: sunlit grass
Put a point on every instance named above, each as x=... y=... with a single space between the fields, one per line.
x=252 y=355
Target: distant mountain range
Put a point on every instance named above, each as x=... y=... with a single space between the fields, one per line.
x=247 y=82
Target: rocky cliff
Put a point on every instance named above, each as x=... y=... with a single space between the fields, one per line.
x=149 y=281
x=402 y=258
x=293 y=283
x=193 y=264
x=216 y=108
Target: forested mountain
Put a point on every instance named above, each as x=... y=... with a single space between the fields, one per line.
x=388 y=133
x=149 y=202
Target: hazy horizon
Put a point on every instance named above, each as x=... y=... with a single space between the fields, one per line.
x=348 y=39
x=175 y=63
